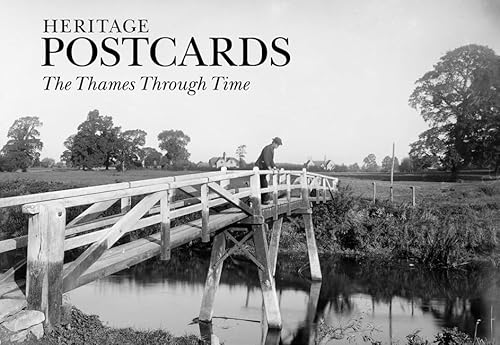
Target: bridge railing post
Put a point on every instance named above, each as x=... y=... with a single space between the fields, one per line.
x=45 y=258
x=289 y=193
x=165 y=227
x=224 y=183
x=324 y=190
x=304 y=189
x=205 y=212
x=125 y=204
x=275 y=195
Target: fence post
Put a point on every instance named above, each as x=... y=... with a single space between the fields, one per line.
x=374 y=191
x=413 y=203
x=45 y=258
x=165 y=227
x=205 y=233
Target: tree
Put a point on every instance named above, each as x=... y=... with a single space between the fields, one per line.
x=406 y=165
x=95 y=144
x=370 y=163
x=387 y=164
x=354 y=167
x=128 y=148
x=340 y=168
x=151 y=157
x=22 y=148
x=67 y=154
x=241 y=152
x=459 y=99
x=47 y=162
x=174 y=142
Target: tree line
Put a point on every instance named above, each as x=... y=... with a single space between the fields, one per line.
x=459 y=99
x=96 y=143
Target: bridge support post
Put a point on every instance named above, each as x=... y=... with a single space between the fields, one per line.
x=45 y=258
x=312 y=249
x=213 y=277
x=274 y=244
x=269 y=296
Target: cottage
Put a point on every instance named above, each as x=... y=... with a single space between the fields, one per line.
x=309 y=164
x=324 y=164
x=328 y=165
x=228 y=162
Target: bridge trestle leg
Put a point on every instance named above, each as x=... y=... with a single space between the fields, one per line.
x=213 y=277
x=269 y=296
x=274 y=244
x=312 y=249
x=261 y=260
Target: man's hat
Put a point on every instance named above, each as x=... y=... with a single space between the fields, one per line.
x=277 y=140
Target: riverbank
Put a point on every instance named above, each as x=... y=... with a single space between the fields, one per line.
x=443 y=232
x=79 y=328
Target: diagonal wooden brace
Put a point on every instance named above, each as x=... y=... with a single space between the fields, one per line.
x=95 y=251
x=230 y=251
x=229 y=197
x=239 y=245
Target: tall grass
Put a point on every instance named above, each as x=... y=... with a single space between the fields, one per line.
x=431 y=234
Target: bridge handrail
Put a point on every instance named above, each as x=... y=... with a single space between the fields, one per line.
x=65 y=193
x=136 y=187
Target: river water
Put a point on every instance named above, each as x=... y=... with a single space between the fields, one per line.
x=386 y=303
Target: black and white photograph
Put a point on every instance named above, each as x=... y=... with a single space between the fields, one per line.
x=235 y=172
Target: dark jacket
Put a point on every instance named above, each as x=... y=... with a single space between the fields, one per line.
x=265 y=160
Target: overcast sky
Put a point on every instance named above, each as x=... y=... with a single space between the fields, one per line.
x=343 y=95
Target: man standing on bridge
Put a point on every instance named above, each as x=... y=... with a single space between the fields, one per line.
x=266 y=162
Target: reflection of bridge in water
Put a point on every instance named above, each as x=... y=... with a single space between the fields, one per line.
x=224 y=205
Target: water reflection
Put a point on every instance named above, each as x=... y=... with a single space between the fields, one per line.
x=387 y=302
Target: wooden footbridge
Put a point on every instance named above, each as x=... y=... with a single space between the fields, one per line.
x=229 y=213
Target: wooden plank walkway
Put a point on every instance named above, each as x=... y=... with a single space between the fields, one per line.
x=223 y=207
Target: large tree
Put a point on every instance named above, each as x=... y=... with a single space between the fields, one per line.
x=95 y=144
x=174 y=142
x=24 y=144
x=370 y=163
x=459 y=99
x=129 y=147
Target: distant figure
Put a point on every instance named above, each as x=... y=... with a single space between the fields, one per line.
x=266 y=162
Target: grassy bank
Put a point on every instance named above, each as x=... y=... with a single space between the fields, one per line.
x=450 y=232
x=81 y=329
